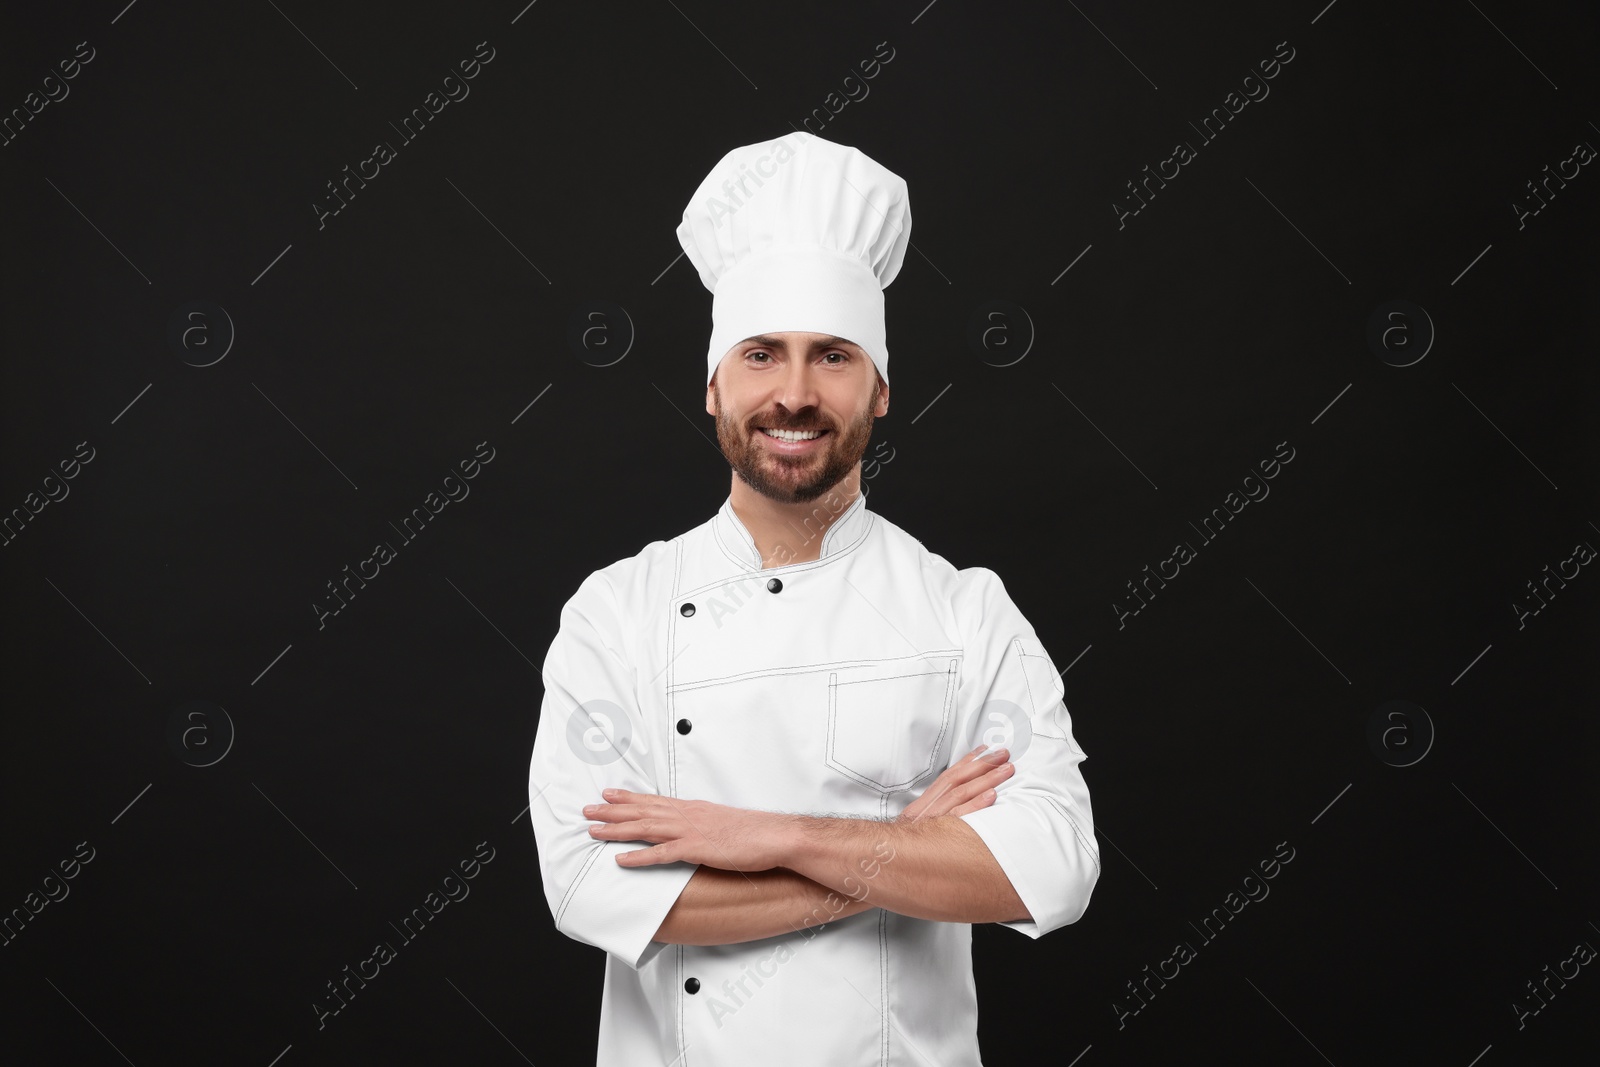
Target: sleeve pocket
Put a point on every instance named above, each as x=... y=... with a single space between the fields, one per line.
x=1046 y=691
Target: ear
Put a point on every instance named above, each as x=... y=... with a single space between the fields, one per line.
x=711 y=401
x=881 y=400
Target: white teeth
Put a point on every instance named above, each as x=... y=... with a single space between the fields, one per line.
x=793 y=435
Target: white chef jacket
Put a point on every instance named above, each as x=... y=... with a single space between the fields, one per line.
x=840 y=686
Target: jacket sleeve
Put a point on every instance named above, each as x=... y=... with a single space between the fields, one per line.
x=1040 y=828
x=591 y=736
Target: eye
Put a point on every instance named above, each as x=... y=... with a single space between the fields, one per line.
x=844 y=357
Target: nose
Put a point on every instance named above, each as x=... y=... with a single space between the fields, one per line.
x=796 y=386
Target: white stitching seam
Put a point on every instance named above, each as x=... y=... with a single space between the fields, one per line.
x=583 y=872
x=1093 y=851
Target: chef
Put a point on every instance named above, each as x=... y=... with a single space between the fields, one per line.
x=785 y=759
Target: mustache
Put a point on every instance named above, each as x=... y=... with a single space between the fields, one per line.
x=779 y=424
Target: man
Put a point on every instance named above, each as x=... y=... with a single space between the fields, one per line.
x=756 y=781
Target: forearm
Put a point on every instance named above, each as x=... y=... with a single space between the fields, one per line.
x=720 y=907
x=936 y=868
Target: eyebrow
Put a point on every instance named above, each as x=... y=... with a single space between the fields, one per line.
x=768 y=341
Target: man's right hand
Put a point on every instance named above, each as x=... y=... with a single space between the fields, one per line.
x=966 y=785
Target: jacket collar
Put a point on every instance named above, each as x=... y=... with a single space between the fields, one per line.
x=845 y=533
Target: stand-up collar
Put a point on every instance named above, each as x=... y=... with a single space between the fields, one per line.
x=845 y=533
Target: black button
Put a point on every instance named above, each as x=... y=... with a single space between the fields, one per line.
x=684 y=726
x=692 y=985
x=774 y=585
x=687 y=610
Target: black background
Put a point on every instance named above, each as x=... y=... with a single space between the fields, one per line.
x=375 y=352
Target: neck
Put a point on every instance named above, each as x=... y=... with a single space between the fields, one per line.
x=792 y=533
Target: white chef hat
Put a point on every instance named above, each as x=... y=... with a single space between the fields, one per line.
x=798 y=233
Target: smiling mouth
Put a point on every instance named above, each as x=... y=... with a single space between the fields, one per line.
x=792 y=436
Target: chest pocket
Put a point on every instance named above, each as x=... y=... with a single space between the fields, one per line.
x=888 y=721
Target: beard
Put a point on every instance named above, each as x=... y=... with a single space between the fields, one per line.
x=791 y=479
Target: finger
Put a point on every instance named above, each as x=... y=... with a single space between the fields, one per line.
x=995 y=776
x=965 y=781
x=961 y=794
x=977 y=803
x=952 y=777
x=635 y=830
x=968 y=790
x=967 y=768
x=961 y=773
x=644 y=857
x=625 y=797
x=938 y=800
x=614 y=812
x=974 y=755
x=935 y=793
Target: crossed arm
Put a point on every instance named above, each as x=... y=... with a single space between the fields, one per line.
x=765 y=873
